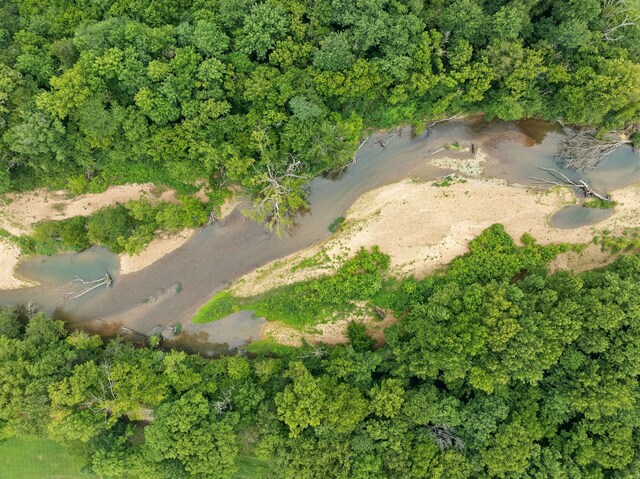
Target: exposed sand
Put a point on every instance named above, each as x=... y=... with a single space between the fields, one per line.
x=9 y=257
x=333 y=332
x=21 y=211
x=423 y=227
x=153 y=252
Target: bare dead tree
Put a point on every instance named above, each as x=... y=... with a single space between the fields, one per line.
x=446 y=438
x=619 y=14
x=83 y=286
x=224 y=403
x=560 y=179
x=316 y=352
x=354 y=160
x=383 y=142
x=583 y=150
x=29 y=309
x=213 y=218
x=273 y=199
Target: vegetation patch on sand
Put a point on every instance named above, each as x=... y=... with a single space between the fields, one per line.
x=308 y=302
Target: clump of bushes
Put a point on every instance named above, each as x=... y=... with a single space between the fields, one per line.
x=307 y=302
x=50 y=237
x=121 y=228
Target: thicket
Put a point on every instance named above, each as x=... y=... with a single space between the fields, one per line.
x=498 y=369
x=308 y=302
x=121 y=228
x=266 y=94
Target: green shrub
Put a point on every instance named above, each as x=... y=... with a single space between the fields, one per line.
x=358 y=337
x=77 y=184
x=335 y=226
x=110 y=227
x=98 y=184
x=73 y=233
x=190 y=213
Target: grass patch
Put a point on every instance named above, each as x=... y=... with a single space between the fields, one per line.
x=335 y=226
x=221 y=305
x=629 y=240
x=37 y=459
x=269 y=346
x=318 y=259
x=308 y=302
x=448 y=181
x=250 y=467
x=601 y=204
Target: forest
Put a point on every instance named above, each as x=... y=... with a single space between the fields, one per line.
x=264 y=95
x=497 y=368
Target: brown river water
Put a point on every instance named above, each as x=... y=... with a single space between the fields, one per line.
x=174 y=288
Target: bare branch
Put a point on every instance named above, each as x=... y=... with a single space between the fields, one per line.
x=445 y=437
x=583 y=150
x=560 y=179
x=87 y=286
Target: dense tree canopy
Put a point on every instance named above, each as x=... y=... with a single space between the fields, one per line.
x=238 y=91
x=498 y=369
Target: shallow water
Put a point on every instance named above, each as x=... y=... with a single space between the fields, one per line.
x=222 y=253
x=575 y=216
x=219 y=336
x=90 y=264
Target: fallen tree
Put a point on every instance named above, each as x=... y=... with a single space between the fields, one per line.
x=560 y=179
x=84 y=286
x=583 y=150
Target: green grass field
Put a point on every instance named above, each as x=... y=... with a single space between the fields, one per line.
x=36 y=459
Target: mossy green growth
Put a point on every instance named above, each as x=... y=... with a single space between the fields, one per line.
x=335 y=226
x=601 y=204
x=318 y=259
x=250 y=467
x=629 y=240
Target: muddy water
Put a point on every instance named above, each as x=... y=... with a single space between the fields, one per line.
x=222 y=253
x=575 y=216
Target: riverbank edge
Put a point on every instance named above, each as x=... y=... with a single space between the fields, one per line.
x=21 y=211
x=392 y=210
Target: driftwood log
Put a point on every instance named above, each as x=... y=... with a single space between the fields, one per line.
x=83 y=286
x=560 y=179
x=380 y=312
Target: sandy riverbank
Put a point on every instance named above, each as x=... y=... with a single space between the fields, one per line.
x=423 y=227
x=19 y=212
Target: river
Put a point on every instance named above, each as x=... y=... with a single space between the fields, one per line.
x=172 y=289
